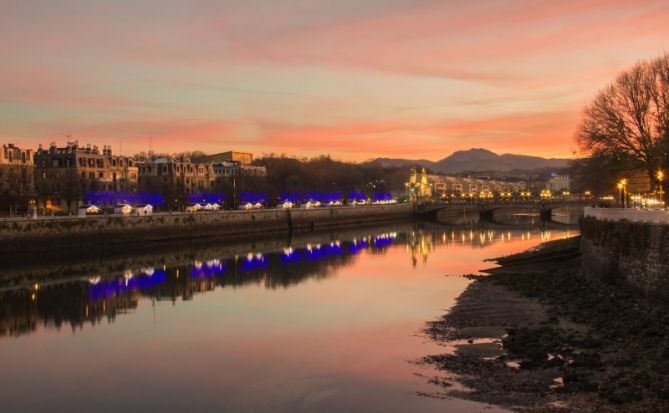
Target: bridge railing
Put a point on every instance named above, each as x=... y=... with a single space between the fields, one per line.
x=502 y=202
x=652 y=216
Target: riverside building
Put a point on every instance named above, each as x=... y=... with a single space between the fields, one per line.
x=447 y=186
x=17 y=183
x=64 y=174
x=181 y=176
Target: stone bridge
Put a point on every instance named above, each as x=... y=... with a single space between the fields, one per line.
x=488 y=210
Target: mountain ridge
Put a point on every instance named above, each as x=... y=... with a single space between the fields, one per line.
x=477 y=159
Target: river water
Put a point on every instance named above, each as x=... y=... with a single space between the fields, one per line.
x=320 y=323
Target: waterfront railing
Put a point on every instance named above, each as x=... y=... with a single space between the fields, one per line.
x=651 y=216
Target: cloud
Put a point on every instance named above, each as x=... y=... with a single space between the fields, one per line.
x=355 y=79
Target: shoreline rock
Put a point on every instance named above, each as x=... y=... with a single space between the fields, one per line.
x=564 y=343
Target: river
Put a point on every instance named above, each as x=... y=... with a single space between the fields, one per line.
x=318 y=323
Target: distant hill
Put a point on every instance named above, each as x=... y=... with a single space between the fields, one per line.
x=477 y=159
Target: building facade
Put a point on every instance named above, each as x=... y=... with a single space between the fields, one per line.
x=244 y=158
x=558 y=183
x=419 y=186
x=447 y=186
x=176 y=176
x=17 y=181
x=64 y=174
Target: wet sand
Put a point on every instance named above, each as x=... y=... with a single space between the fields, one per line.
x=533 y=336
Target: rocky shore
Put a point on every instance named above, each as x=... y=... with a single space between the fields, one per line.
x=535 y=336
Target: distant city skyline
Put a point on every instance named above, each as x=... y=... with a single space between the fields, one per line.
x=356 y=80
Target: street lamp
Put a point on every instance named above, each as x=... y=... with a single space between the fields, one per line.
x=622 y=187
x=660 y=178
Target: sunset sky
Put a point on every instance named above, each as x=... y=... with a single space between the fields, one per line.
x=353 y=78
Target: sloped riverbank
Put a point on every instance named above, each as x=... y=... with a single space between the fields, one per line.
x=536 y=336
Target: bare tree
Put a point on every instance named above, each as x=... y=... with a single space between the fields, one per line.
x=629 y=119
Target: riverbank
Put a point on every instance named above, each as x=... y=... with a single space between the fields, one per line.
x=75 y=234
x=536 y=336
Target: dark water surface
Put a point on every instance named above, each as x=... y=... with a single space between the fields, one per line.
x=321 y=323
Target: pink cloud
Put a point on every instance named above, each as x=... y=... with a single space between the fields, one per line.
x=110 y=73
x=460 y=40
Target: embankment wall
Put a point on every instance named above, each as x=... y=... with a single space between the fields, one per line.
x=73 y=232
x=635 y=255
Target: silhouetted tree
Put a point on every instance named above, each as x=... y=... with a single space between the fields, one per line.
x=325 y=174
x=629 y=119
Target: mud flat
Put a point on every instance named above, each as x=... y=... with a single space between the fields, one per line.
x=535 y=336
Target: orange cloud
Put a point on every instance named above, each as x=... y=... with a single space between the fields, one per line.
x=350 y=78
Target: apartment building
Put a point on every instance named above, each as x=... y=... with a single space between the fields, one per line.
x=64 y=174
x=17 y=183
x=444 y=185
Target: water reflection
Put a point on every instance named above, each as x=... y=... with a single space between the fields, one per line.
x=320 y=322
x=26 y=306
x=91 y=299
x=427 y=238
x=529 y=218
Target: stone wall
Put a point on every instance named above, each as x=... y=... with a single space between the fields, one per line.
x=73 y=232
x=625 y=253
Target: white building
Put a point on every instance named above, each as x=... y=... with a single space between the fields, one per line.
x=558 y=183
x=444 y=185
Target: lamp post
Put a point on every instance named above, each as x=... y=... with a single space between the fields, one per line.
x=660 y=178
x=622 y=186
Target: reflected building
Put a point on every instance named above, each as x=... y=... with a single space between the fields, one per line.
x=89 y=301
x=420 y=245
x=78 y=301
x=427 y=238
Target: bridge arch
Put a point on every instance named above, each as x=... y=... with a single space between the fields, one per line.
x=488 y=210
